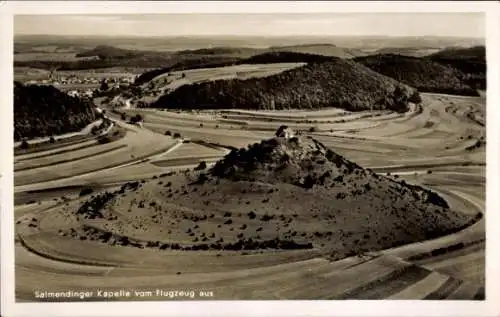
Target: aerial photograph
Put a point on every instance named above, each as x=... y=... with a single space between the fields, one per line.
x=249 y=156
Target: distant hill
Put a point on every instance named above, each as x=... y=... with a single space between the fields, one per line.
x=110 y=52
x=319 y=49
x=471 y=61
x=462 y=53
x=406 y=51
x=44 y=111
x=424 y=74
x=333 y=83
x=110 y=56
x=241 y=52
x=286 y=57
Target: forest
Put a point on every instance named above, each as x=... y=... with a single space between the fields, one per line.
x=45 y=111
x=332 y=83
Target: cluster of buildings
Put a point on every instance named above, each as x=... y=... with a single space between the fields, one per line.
x=89 y=93
x=79 y=80
x=88 y=84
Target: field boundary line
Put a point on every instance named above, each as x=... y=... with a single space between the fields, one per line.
x=121 y=146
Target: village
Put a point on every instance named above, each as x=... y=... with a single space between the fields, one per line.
x=84 y=86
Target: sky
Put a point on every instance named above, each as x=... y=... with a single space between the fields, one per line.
x=320 y=24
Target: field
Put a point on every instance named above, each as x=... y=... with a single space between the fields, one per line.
x=440 y=145
x=228 y=72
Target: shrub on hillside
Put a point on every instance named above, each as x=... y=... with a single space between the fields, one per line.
x=137 y=118
x=104 y=139
x=86 y=191
x=201 y=166
x=415 y=98
x=266 y=217
x=94 y=130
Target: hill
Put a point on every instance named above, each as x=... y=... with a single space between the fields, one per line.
x=281 y=193
x=286 y=57
x=333 y=83
x=109 y=56
x=191 y=63
x=471 y=61
x=241 y=52
x=461 y=53
x=222 y=61
x=424 y=74
x=45 y=111
x=111 y=52
x=406 y=51
x=319 y=49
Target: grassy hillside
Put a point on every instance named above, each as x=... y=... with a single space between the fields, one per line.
x=471 y=61
x=44 y=111
x=193 y=63
x=276 y=194
x=424 y=74
x=333 y=83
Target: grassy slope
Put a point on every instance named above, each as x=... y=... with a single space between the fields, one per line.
x=349 y=209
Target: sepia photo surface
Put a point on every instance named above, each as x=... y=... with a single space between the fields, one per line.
x=249 y=156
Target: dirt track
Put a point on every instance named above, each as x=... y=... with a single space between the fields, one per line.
x=406 y=143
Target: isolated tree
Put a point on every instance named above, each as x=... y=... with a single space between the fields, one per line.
x=94 y=130
x=136 y=118
x=281 y=129
x=415 y=98
x=104 y=85
x=104 y=139
x=24 y=145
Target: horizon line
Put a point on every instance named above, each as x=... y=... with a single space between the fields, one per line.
x=246 y=35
